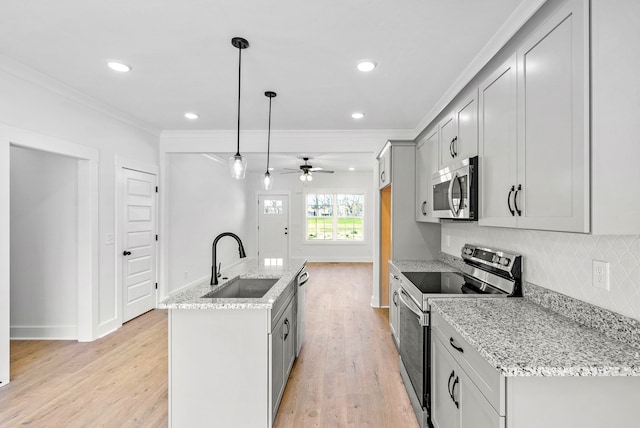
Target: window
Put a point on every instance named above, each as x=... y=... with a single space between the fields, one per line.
x=335 y=217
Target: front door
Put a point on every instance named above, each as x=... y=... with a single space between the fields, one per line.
x=139 y=243
x=273 y=229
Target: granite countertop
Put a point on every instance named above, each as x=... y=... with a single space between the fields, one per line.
x=521 y=338
x=422 y=266
x=191 y=298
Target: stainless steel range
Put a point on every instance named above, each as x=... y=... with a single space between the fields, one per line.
x=486 y=273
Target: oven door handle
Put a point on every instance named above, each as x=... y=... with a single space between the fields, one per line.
x=455 y=212
x=408 y=302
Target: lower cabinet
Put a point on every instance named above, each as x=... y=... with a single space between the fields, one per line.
x=283 y=352
x=394 y=314
x=457 y=402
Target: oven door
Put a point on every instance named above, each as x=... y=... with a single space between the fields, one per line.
x=414 y=342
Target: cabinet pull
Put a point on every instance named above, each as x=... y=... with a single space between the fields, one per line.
x=451 y=149
x=513 y=188
x=515 y=200
x=455 y=151
x=382 y=176
x=286 y=322
x=454 y=346
x=424 y=212
x=453 y=392
x=395 y=297
x=453 y=373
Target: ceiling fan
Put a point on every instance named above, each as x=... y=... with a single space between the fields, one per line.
x=306 y=170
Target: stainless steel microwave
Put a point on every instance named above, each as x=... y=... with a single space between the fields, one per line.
x=455 y=191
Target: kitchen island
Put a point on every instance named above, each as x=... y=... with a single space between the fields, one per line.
x=229 y=358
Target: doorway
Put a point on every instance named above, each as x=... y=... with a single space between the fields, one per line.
x=273 y=229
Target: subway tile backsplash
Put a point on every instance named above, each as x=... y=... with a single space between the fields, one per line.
x=562 y=261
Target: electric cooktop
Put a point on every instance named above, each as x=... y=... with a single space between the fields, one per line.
x=437 y=282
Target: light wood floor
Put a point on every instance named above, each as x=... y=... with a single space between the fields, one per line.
x=346 y=376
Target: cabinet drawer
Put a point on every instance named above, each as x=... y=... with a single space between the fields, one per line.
x=488 y=380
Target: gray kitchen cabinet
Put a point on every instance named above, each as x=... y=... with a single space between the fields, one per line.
x=283 y=352
x=426 y=165
x=534 y=139
x=394 y=313
x=384 y=167
x=456 y=401
x=459 y=132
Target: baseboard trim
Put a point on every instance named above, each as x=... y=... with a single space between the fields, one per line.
x=108 y=327
x=44 y=332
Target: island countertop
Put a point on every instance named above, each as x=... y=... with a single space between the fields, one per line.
x=191 y=298
x=521 y=338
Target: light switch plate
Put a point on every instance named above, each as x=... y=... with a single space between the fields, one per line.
x=600 y=275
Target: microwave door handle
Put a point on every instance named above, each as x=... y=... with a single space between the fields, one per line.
x=451 y=207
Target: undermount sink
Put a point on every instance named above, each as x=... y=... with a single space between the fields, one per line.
x=243 y=288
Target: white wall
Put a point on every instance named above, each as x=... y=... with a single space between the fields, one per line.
x=319 y=252
x=562 y=261
x=203 y=201
x=33 y=102
x=44 y=230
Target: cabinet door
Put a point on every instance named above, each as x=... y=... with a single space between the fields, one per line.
x=289 y=341
x=498 y=160
x=447 y=139
x=394 y=315
x=465 y=142
x=277 y=365
x=444 y=370
x=553 y=137
x=426 y=165
x=475 y=410
x=384 y=169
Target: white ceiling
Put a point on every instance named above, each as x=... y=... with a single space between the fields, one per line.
x=338 y=162
x=305 y=51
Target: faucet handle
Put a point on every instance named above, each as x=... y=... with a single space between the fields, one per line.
x=219 y=267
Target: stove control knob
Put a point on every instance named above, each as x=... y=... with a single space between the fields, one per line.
x=504 y=261
x=495 y=259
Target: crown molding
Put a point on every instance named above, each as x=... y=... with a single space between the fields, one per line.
x=284 y=140
x=515 y=22
x=27 y=74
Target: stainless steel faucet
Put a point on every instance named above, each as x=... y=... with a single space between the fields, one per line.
x=214 y=269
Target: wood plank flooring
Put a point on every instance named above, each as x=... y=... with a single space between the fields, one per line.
x=346 y=376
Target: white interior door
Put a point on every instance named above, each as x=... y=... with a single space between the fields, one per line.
x=273 y=229
x=139 y=243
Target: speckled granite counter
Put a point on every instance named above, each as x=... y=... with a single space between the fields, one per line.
x=191 y=298
x=422 y=266
x=520 y=338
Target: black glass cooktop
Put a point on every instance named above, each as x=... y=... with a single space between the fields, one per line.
x=437 y=282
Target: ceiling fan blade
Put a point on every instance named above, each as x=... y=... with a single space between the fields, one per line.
x=316 y=169
x=324 y=171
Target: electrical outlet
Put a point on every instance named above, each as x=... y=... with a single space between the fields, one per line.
x=600 y=275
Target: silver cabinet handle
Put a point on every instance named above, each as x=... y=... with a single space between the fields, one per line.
x=304 y=275
x=423 y=208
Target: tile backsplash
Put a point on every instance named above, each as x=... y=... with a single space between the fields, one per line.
x=562 y=262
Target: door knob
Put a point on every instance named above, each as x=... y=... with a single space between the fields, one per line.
x=126 y=253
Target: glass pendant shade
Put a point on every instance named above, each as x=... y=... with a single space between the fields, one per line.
x=267 y=181
x=238 y=166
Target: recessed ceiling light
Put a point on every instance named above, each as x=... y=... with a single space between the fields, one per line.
x=366 y=66
x=357 y=115
x=118 y=66
x=191 y=116
x=352 y=168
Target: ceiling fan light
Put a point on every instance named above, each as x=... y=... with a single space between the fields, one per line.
x=267 y=181
x=238 y=166
x=302 y=177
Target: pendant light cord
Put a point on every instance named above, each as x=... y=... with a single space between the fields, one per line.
x=239 y=83
x=269 y=135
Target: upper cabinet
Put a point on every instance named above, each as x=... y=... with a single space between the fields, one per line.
x=534 y=140
x=384 y=167
x=426 y=165
x=459 y=132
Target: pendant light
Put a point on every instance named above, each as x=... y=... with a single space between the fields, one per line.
x=267 y=180
x=237 y=163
